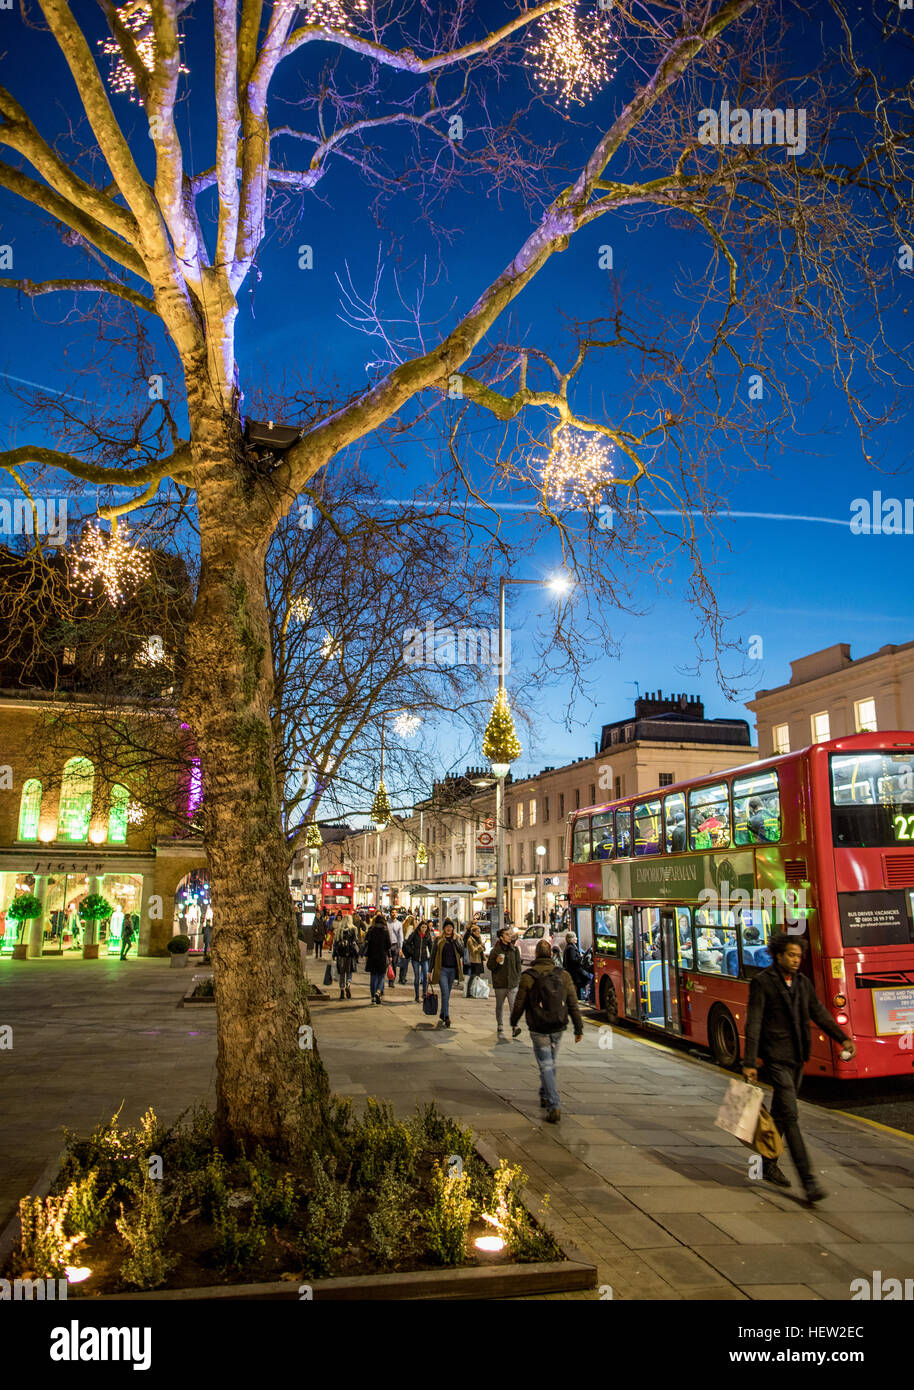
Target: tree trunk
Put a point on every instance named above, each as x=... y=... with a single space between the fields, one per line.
x=271 y=1085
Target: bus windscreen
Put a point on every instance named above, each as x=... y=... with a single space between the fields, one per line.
x=872 y=797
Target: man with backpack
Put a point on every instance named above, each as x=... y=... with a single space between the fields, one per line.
x=546 y=995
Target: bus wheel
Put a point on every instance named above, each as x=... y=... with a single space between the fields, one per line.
x=723 y=1037
x=608 y=1001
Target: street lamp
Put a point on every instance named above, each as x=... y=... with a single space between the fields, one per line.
x=540 y=905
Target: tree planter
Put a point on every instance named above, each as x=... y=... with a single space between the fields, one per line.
x=21 y=952
x=178 y=960
x=90 y=950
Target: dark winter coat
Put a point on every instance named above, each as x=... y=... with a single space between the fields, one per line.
x=507 y=975
x=778 y=1021
x=545 y=966
x=418 y=947
x=377 y=949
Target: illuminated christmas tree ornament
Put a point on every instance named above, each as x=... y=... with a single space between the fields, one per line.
x=500 y=743
x=110 y=560
x=578 y=468
x=380 y=808
x=312 y=836
x=575 y=53
x=421 y=855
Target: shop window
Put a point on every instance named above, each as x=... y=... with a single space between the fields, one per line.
x=76 y=800
x=603 y=835
x=709 y=817
x=606 y=930
x=117 y=816
x=685 y=944
x=30 y=810
x=582 y=847
x=780 y=739
x=674 y=823
x=715 y=942
x=623 y=833
x=647 y=827
x=756 y=809
x=865 y=716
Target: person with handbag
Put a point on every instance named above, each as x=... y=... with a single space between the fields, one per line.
x=474 y=955
x=505 y=965
x=377 y=956
x=782 y=1005
x=447 y=968
x=345 y=956
x=417 y=950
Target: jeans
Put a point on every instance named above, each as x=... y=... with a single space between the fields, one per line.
x=501 y=995
x=420 y=972
x=125 y=947
x=546 y=1051
x=404 y=969
x=448 y=976
x=787 y=1077
x=345 y=973
x=318 y=949
x=378 y=981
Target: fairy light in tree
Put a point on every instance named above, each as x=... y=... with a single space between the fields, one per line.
x=301 y=608
x=108 y=559
x=137 y=17
x=578 y=468
x=575 y=53
x=406 y=724
x=332 y=14
x=330 y=647
x=135 y=813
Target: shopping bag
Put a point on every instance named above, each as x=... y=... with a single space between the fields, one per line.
x=739 y=1112
x=767 y=1141
x=328 y=975
x=390 y=973
x=430 y=1003
x=479 y=988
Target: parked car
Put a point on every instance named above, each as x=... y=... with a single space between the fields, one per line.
x=526 y=942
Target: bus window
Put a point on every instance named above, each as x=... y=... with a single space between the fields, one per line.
x=684 y=936
x=581 y=848
x=650 y=933
x=674 y=822
x=756 y=809
x=715 y=943
x=606 y=930
x=623 y=833
x=647 y=827
x=709 y=817
x=754 y=928
x=603 y=835
x=583 y=924
x=873 y=798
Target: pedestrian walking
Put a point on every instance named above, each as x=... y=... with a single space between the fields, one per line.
x=417 y=951
x=377 y=956
x=409 y=926
x=782 y=1004
x=505 y=964
x=447 y=968
x=346 y=955
x=128 y=931
x=572 y=961
x=320 y=931
x=395 y=928
x=474 y=954
x=546 y=996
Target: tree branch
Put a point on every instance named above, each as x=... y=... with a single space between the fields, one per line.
x=32 y=288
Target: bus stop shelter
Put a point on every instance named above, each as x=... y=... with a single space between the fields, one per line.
x=451 y=899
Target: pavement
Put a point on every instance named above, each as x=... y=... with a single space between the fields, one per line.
x=638 y=1177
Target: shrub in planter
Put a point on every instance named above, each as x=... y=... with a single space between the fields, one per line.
x=178 y=945
x=95 y=908
x=25 y=907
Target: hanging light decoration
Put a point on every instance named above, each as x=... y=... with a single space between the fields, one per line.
x=332 y=14
x=578 y=467
x=381 y=811
x=135 y=813
x=137 y=17
x=312 y=836
x=406 y=724
x=301 y=608
x=330 y=647
x=575 y=53
x=500 y=743
x=110 y=560
x=421 y=855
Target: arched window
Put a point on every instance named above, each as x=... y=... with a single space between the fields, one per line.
x=117 y=816
x=76 y=800
x=30 y=810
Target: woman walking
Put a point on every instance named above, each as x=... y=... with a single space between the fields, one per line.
x=447 y=968
x=346 y=954
x=417 y=950
x=320 y=931
x=474 y=954
x=377 y=955
x=409 y=926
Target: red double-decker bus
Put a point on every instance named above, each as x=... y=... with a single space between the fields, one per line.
x=337 y=889
x=680 y=890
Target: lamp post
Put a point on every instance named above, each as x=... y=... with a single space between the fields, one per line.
x=540 y=905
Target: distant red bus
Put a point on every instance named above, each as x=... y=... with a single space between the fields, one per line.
x=337 y=889
x=680 y=889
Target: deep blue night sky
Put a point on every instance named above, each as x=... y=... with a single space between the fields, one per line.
x=799 y=585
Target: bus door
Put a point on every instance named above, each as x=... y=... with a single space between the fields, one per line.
x=630 y=964
x=670 y=963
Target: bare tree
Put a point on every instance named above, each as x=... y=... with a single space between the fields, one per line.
x=798 y=251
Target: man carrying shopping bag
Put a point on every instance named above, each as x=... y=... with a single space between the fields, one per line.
x=782 y=1004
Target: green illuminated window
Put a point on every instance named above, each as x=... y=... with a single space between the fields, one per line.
x=30 y=810
x=117 y=816
x=76 y=800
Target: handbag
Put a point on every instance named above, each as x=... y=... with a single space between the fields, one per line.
x=328 y=975
x=430 y=1003
x=390 y=973
x=739 y=1111
x=766 y=1140
x=479 y=988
